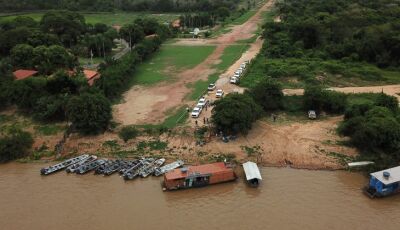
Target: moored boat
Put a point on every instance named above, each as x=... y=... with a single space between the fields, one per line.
x=133 y=172
x=198 y=176
x=166 y=168
x=253 y=175
x=90 y=166
x=74 y=167
x=150 y=168
x=62 y=165
x=384 y=183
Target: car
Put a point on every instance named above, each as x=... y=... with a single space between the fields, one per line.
x=211 y=87
x=312 y=115
x=202 y=102
x=196 y=111
x=237 y=75
x=234 y=80
x=243 y=65
x=220 y=93
x=239 y=71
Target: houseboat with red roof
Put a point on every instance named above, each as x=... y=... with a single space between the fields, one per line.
x=198 y=176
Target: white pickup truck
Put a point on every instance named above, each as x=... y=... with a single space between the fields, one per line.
x=234 y=80
x=196 y=111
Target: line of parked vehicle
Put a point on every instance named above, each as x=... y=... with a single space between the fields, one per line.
x=235 y=79
x=219 y=93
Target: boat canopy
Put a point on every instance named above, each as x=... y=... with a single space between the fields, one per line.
x=393 y=176
x=251 y=170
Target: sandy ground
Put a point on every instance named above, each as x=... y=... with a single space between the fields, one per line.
x=300 y=145
x=392 y=90
x=143 y=104
x=296 y=144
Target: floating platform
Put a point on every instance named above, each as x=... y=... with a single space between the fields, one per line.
x=198 y=176
x=384 y=183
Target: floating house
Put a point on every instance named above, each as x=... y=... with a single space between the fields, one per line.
x=198 y=176
x=253 y=175
x=384 y=183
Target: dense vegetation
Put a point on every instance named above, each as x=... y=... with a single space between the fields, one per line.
x=374 y=127
x=111 y=5
x=235 y=113
x=61 y=91
x=14 y=144
x=336 y=29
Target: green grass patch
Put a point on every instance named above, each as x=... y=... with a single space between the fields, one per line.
x=168 y=61
x=296 y=72
x=200 y=87
x=177 y=117
x=244 y=17
x=48 y=129
x=117 y=18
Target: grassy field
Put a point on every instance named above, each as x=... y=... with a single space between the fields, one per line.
x=229 y=56
x=168 y=61
x=118 y=18
x=295 y=73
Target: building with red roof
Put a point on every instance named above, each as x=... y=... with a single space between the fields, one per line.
x=197 y=176
x=91 y=76
x=24 y=73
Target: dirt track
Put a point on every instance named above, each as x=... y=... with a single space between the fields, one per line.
x=149 y=104
x=392 y=90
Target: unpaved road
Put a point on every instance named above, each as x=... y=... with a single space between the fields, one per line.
x=144 y=105
x=392 y=90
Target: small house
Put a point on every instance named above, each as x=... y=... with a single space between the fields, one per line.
x=384 y=183
x=91 y=76
x=198 y=176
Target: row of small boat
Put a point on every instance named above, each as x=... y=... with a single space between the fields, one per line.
x=129 y=169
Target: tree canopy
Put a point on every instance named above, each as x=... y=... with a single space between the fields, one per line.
x=235 y=113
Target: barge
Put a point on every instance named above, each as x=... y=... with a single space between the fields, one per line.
x=198 y=176
x=384 y=183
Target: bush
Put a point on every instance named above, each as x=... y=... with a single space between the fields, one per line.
x=15 y=144
x=268 y=94
x=128 y=132
x=387 y=101
x=235 y=113
x=89 y=113
x=316 y=98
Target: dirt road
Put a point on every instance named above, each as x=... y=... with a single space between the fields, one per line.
x=142 y=105
x=392 y=90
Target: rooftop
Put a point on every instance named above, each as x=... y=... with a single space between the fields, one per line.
x=201 y=169
x=24 y=73
x=394 y=175
x=89 y=74
x=251 y=170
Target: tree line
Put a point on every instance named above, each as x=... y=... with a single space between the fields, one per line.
x=111 y=5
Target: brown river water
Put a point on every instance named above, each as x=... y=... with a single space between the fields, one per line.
x=286 y=199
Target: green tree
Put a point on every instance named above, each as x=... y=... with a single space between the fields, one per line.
x=132 y=33
x=268 y=93
x=89 y=113
x=128 y=132
x=235 y=113
x=22 y=56
x=14 y=144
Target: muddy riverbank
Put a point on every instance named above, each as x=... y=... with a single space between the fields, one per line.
x=286 y=199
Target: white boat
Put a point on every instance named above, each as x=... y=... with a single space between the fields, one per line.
x=360 y=163
x=253 y=175
x=74 y=167
x=62 y=165
x=169 y=167
x=150 y=168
